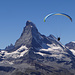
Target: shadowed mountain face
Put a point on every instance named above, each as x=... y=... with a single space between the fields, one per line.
x=36 y=54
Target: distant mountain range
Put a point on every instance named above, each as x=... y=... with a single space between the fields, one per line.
x=37 y=54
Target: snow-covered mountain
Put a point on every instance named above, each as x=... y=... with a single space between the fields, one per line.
x=36 y=54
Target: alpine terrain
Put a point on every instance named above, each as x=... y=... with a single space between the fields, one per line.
x=37 y=54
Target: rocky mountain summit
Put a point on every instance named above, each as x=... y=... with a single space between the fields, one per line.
x=36 y=54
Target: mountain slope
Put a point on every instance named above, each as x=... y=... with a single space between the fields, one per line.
x=36 y=54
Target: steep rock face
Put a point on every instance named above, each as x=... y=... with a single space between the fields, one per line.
x=29 y=35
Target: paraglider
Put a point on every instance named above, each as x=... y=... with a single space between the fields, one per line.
x=63 y=14
x=58 y=38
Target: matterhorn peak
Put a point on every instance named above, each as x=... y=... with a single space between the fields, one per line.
x=30 y=23
x=30 y=32
x=30 y=26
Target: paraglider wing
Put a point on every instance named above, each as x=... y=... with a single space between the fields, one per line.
x=63 y=14
x=48 y=16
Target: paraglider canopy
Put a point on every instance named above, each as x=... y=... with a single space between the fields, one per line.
x=63 y=14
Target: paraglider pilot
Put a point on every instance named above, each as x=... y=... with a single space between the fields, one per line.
x=58 y=38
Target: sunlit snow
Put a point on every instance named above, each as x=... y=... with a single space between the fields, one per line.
x=55 y=50
x=73 y=51
x=15 y=54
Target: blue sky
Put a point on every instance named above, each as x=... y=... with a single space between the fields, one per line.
x=15 y=13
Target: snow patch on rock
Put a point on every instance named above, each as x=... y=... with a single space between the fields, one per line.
x=15 y=54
